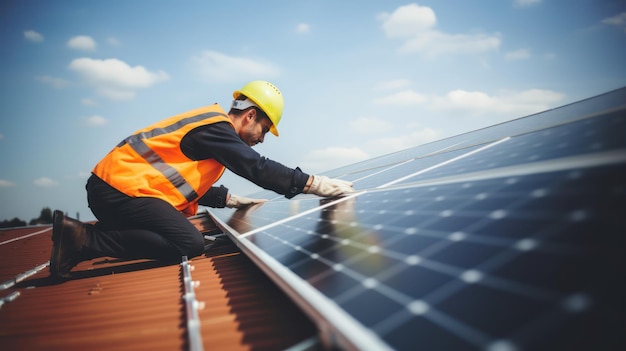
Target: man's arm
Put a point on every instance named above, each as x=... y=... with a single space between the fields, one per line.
x=216 y=197
x=220 y=142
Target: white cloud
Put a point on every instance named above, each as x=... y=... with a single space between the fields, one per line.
x=303 y=28
x=332 y=157
x=6 y=183
x=96 y=121
x=618 y=20
x=408 y=21
x=419 y=136
x=82 y=42
x=57 y=83
x=526 y=3
x=45 y=182
x=394 y=84
x=214 y=66
x=471 y=101
x=33 y=36
x=114 y=78
x=506 y=103
x=477 y=103
x=1 y=136
x=370 y=125
x=520 y=54
x=416 y=25
x=402 y=98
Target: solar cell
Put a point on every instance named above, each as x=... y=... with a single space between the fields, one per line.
x=514 y=242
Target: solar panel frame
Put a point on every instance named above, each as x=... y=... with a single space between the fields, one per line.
x=344 y=330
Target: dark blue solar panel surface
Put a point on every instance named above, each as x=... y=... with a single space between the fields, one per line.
x=461 y=256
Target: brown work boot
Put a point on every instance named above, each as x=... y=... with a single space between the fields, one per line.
x=68 y=236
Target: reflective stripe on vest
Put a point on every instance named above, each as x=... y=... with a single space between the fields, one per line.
x=169 y=172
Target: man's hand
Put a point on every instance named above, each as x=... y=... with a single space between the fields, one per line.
x=235 y=201
x=327 y=187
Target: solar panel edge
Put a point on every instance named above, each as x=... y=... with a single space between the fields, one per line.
x=620 y=93
x=599 y=159
x=336 y=327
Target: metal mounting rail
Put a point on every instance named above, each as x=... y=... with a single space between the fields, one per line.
x=23 y=276
x=12 y=296
x=191 y=308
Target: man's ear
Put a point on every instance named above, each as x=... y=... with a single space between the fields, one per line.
x=251 y=114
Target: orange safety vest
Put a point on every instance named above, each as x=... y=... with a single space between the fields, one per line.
x=150 y=162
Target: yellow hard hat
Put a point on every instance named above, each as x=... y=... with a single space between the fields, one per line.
x=267 y=97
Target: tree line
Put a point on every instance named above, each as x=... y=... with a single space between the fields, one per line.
x=45 y=217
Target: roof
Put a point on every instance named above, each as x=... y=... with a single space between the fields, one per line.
x=138 y=304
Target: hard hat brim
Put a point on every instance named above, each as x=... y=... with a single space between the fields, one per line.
x=274 y=130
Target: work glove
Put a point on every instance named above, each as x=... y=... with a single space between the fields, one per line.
x=327 y=187
x=239 y=201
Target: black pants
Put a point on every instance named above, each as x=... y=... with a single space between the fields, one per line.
x=137 y=227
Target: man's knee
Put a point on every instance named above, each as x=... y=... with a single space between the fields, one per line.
x=193 y=247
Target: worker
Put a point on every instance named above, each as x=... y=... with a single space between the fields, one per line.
x=144 y=189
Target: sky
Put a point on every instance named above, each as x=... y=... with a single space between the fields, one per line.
x=360 y=78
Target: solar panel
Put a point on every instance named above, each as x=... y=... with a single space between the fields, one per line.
x=509 y=239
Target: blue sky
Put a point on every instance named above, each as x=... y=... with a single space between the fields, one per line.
x=360 y=78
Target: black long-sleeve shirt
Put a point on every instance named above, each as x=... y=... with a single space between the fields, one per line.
x=220 y=141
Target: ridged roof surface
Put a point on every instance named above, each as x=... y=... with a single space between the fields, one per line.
x=138 y=305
